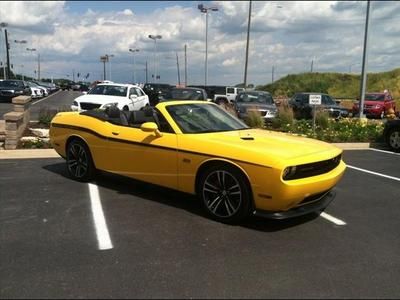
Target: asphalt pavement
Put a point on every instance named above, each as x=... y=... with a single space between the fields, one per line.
x=56 y=101
x=162 y=246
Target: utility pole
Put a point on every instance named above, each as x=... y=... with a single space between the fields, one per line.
x=104 y=59
x=8 y=54
x=38 y=67
x=185 y=66
x=177 y=66
x=364 y=64
x=247 y=47
x=146 y=73
x=312 y=64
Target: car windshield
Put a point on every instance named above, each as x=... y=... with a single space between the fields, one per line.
x=109 y=90
x=201 y=118
x=11 y=83
x=184 y=94
x=374 y=97
x=262 y=98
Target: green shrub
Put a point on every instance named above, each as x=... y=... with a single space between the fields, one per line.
x=284 y=118
x=254 y=119
x=46 y=114
x=322 y=119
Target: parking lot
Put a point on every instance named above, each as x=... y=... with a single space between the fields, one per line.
x=120 y=238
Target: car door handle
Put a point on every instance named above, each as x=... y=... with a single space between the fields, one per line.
x=115 y=133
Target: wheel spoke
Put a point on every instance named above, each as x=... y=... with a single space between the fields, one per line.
x=217 y=205
x=72 y=163
x=213 y=201
x=228 y=202
x=212 y=189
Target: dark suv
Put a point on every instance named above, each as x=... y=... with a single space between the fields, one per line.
x=13 y=88
x=154 y=90
x=187 y=93
x=303 y=110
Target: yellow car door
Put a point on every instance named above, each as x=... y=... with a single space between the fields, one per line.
x=142 y=155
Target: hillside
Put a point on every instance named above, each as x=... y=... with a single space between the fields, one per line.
x=339 y=85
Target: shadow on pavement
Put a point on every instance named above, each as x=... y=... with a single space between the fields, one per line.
x=146 y=191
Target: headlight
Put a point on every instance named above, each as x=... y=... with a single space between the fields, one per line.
x=75 y=103
x=110 y=104
x=288 y=172
x=378 y=106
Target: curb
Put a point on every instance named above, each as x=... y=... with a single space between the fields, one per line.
x=28 y=153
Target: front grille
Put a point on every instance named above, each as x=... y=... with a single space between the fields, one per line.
x=317 y=168
x=89 y=106
x=7 y=93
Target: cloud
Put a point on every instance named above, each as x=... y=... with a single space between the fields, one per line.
x=284 y=34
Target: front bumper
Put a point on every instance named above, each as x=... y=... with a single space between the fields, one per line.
x=317 y=205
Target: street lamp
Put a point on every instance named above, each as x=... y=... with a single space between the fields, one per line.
x=31 y=50
x=4 y=25
x=205 y=10
x=247 y=47
x=364 y=64
x=109 y=63
x=133 y=50
x=155 y=38
x=19 y=42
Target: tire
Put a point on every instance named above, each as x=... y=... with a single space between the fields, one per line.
x=224 y=194
x=125 y=108
x=79 y=161
x=393 y=139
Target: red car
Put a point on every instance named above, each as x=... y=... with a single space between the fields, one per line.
x=376 y=105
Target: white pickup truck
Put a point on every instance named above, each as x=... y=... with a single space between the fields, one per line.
x=226 y=96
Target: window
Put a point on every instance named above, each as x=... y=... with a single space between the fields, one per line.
x=139 y=92
x=230 y=90
x=132 y=91
x=163 y=123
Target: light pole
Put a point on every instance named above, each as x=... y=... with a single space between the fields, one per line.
x=22 y=42
x=31 y=49
x=205 y=11
x=364 y=64
x=247 y=47
x=104 y=59
x=4 y=25
x=133 y=50
x=109 y=64
x=155 y=38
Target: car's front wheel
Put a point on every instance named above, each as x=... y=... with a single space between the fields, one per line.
x=225 y=194
x=393 y=139
x=79 y=161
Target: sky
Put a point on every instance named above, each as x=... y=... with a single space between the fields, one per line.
x=286 y=37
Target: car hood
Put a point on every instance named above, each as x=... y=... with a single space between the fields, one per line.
x=99 y=99
x=256 y=106
x=260 y=147
x=334 y=107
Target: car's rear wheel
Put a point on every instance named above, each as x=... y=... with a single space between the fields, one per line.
x=394 y=139
x=225 y=194
x=79 y=161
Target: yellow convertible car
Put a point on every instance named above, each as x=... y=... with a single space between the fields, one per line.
x=198 y=148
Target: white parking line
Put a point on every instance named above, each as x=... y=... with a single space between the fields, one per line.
x=332 y=219
x=103 y=237
x=374 y=173
x=384 y=151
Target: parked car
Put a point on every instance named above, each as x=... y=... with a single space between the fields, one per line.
x=13 y=88
x=198 y=148
x=44 y=90
x=391 y=134
x=187 y=93
x=36 y=92
x=52 y=87
x=303 y=110
x=124 y=96
x=153 y=90
x=375 y=105
x=256 y=101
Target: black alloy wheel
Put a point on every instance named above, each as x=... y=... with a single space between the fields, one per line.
x=394 y=139
x=225 y=194
x=79 y=161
